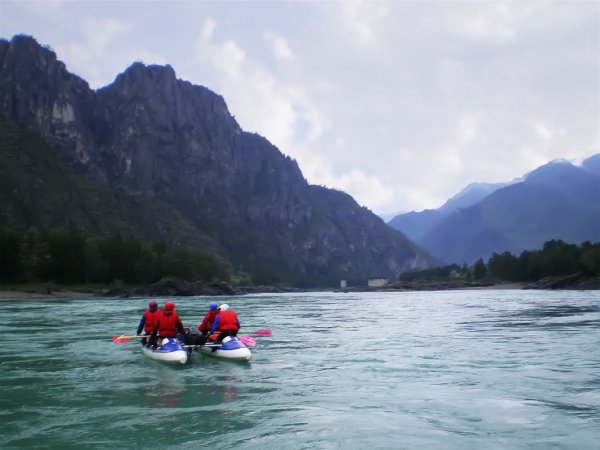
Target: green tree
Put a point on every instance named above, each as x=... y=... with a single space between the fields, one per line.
x=503 y=266
x=589 y=261
x=121 y=256
x=11 y=269
x=181 y=263
x=159 y=249
x=479 y=270
x=96 y=268
x=559 y=258
x=67 y=256
x=192 y=266
x=528 y=267
x=147 y=266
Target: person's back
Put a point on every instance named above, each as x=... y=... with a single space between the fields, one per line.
x=149 y=319
x=199 y=335
x=226 y=323
x=207 y=322
x=169 y=323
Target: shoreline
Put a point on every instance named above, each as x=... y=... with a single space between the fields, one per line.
x=183 y=289
x=23 y=295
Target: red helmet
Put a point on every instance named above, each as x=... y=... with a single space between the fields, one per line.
x=169 y=306
x=152 y=304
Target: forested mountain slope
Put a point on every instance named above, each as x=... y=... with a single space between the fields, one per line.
x=556 y=201
x=163 y=159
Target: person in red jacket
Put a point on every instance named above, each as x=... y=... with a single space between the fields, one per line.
x=169 y=324
x=198 y=335
x=148 y=320
x=205 y=326
x=226 y=323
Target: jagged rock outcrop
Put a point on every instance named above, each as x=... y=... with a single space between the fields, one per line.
x=557 y=282
x=150 y=135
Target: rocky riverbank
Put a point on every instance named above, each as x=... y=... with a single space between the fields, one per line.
x=575 y=282
x=180 y=288
x=431 y=285
x=567 y=282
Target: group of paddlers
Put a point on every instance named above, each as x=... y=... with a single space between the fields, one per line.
x=219 y=321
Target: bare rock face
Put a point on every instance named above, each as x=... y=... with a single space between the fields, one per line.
x=150 y=134
x=37 y=91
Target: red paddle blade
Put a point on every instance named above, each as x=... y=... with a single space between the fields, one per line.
x=248 y=341
x=264 y=332
x=121 y=339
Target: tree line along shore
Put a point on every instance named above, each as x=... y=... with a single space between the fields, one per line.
x=60 y=263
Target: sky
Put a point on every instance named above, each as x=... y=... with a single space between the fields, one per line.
x=401 y=104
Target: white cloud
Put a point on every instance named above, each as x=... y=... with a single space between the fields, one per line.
x=363 y=19
x=493 y=21
x=208 y=29
x=99 y=56
x=543 y=132
x=261 y=102
x=467 y=130
x=401 y=104
x=281 y=49
x=254 y=95
x=366 y=190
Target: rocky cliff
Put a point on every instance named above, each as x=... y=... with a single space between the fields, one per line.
x=154 y=139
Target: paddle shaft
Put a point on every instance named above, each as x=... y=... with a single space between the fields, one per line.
x=247 y=340
x=200 y=346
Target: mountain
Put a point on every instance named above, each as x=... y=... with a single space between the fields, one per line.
x=592 y=164
x=417 y=224
x=556 y=201
x=386 y=217
x=163 y=159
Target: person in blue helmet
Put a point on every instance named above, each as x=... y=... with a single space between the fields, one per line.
x=226 y=324
x=198 y=335
x=205 y=326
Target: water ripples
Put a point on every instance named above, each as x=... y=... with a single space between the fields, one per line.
x=453 y=369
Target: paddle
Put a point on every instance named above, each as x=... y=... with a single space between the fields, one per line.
x=248 y=341
x=204 y=345
x=121 y=339
x=245 y=339
x=263 y=332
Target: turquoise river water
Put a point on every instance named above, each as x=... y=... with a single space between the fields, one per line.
x=477 y=369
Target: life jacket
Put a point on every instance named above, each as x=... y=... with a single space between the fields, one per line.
x=208 y=320
x=167 y=326
x=228 y=321
x=150 y=319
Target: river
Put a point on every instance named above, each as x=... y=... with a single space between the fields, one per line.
x=472 y=369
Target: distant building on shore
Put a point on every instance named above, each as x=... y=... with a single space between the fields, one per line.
x=378 y=282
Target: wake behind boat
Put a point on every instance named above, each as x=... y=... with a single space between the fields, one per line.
x=170 y=351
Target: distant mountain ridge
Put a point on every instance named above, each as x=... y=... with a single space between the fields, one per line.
x=556 y=201
x=592 y=164
x=417 y=224
x=165 y=160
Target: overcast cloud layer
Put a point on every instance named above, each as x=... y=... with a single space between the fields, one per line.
x=401 y=104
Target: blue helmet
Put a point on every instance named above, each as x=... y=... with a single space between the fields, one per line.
x=213 y=306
